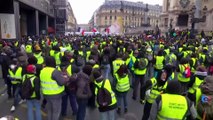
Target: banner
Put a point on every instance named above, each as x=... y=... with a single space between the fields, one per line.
x=8 y=30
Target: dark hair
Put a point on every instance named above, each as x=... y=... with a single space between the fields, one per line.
x=87 y=69
x=32 y=60
x=50 y=61
x=122 y=70
x=173 y=87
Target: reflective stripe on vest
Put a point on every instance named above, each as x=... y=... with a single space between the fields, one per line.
x=180 y=76
x=48 y=85
x=17 y=77
x=52 y=52
x=159 y=62
x=107 y=85
x=141 y=72
x=155 y=90
x=122 y=83
x=174 y=107
x=32 y=83
x=40 y=59
x=81 y=53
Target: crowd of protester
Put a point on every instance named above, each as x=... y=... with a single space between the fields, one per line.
x=169 y=75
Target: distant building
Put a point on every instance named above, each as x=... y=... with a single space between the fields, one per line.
x=85 y=27
x=35 y=17
x=187 y=14
x=129 y=15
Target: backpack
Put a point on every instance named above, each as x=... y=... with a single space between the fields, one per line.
x=187 y=72
x=103 y=96
x=141 y=63
x=27 y=89
x=211 y=70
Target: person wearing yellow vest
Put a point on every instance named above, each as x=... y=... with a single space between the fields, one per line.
x=38 y=55
x=33 y=102
x=196 y=80
x=140 y=69
x=122 y=87
x=204 y=99
x=52 y=87
x=29 y=48
x=15 y=75
x=106 y=112
x=193 y=62
x=171 y=105
x=152 y=89
x=184 y=74
x=117 y=63
x=159 y=62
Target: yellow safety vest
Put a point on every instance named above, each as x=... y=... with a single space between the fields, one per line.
x=159 y=62
x=48 y=85
x=174 y=107
x=52 y=52
x=88 y=53
x=96 y=66
x=81 y=53
x=107 y=85
x=196 y=84
x=193 y=65
x=32 y=78
x=28 y=49
x=180 y=76
x=155 y=90
x=141 y=72
x=57 y=57
x=39 y=57
x=122 y=83
x=116 y=64
x=68 y=70
x=17 y=76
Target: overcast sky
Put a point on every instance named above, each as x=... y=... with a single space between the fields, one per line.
x=83 y=9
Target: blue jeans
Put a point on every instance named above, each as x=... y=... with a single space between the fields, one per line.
x=34 y=104
x=73 y=103
x=108 y=115
x=106 y=71
x=122 y=96
x=82 y=104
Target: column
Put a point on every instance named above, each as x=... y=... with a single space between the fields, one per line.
x=198 y=4
x=37 y=22
x=47 y=23
x=17 y=18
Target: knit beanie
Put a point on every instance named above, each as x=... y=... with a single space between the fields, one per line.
x=173 y=87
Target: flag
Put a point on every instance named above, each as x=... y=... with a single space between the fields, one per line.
x=94 y=30
x=82 y=31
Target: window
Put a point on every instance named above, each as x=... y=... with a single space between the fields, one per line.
x=115 y=17
x=105 y=17
x=115 y=11
x=110 y=17
x=110 y=11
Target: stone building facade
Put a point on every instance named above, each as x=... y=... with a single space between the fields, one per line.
x=130 y=15
x=180 y=14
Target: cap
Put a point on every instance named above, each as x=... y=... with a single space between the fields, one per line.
x=31 y=69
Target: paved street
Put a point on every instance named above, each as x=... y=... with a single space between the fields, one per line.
x=21 y=111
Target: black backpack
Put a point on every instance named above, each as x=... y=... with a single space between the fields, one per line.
x=104 y=96
x=27 y=89
x=141 y=63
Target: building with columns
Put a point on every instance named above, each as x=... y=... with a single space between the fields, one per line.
x=187 y=14
x=129 y=15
